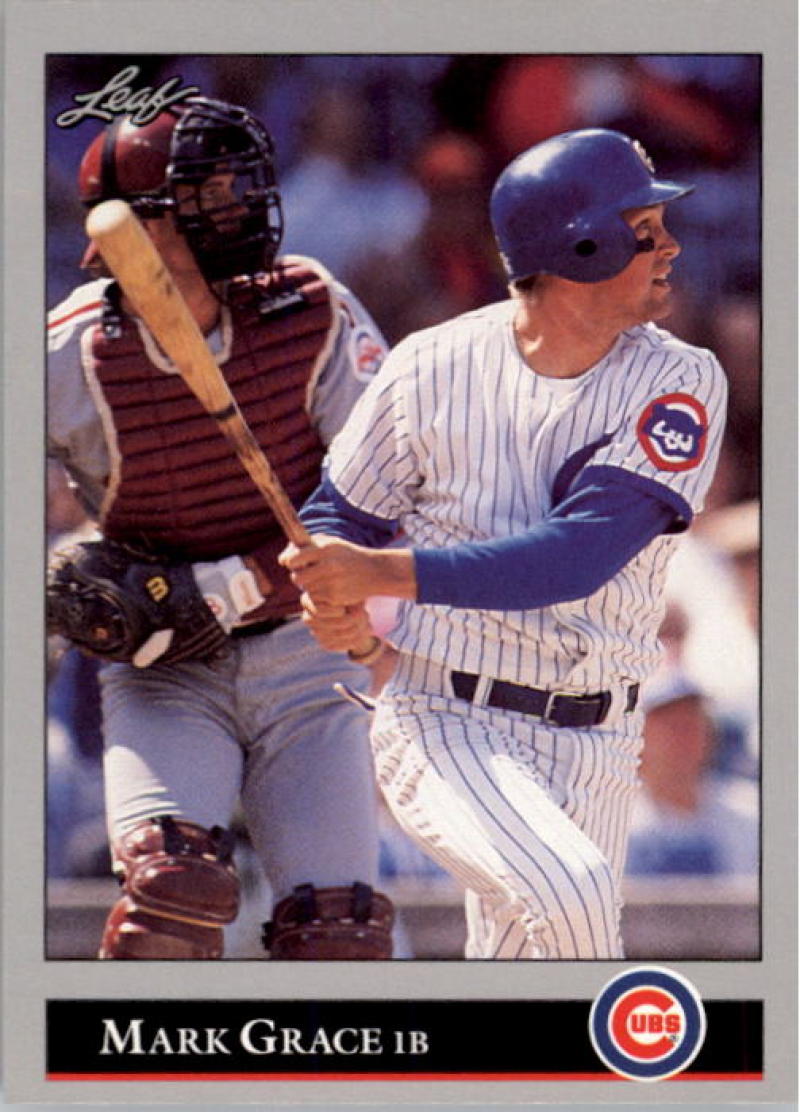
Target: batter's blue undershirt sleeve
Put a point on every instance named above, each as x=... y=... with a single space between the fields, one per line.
x=579 y=546
x=327 y=511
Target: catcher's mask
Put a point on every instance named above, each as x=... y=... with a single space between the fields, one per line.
x=208 y=163
x=557 y=208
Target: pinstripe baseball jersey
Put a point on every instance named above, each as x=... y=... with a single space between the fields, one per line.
x=459 y=440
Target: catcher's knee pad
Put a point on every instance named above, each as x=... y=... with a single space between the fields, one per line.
x=179 y=887
x=331 y=924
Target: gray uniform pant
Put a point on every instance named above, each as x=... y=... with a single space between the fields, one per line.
x=263 y=726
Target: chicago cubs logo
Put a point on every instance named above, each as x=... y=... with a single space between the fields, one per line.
x=647 y=1024
x=672 y=431
x=368 y=354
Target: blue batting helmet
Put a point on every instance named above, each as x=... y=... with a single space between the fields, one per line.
x=557 y=208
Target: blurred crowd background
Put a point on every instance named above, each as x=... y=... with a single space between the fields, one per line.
x=385 y=165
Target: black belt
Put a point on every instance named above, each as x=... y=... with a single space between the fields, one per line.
x=557 y=708
x=255 y=629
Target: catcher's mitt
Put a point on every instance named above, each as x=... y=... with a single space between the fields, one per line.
x=119 y=605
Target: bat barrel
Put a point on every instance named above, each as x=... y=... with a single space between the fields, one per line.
x=146 y=282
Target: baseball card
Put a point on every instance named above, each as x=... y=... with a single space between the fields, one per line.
x=400 y=548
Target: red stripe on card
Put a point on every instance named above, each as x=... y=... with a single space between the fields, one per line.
x=386 y=1077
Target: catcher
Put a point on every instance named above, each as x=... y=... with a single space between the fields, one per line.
x=212 y=690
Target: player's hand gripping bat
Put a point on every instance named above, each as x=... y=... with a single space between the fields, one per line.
x=136 y=264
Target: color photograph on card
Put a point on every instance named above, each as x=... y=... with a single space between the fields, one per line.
x=361 y=216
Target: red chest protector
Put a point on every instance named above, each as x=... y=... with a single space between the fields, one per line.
x=176 y=485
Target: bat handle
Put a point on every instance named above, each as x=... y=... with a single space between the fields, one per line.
x=372 y=648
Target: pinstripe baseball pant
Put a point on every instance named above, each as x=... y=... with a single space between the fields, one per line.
x=533 y=821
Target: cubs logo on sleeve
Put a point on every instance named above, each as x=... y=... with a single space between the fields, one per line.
x=647 y=1024
x=672 y=430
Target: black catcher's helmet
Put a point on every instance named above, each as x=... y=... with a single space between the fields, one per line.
x=211 y=165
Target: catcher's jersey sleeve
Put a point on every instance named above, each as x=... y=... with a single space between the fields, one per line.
x=75 y=434
x=357 y=354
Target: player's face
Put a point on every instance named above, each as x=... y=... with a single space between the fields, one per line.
x=642 y=291
x=215 y=196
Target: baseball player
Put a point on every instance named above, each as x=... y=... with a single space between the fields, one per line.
x=542 y=456
x=212 y=689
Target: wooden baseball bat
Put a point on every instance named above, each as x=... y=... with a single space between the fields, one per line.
x=136 y=264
